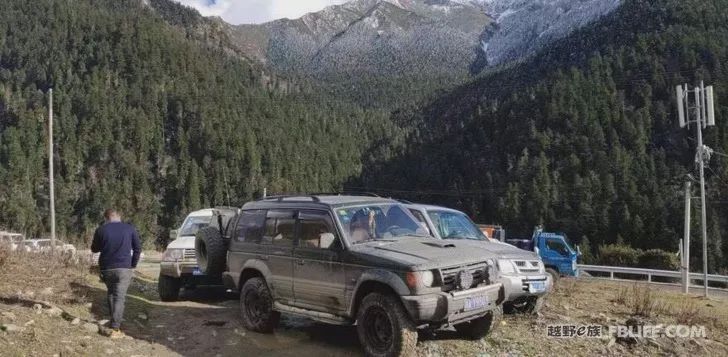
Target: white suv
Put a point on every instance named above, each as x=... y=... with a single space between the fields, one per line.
x=178 y=267
x=522 y=273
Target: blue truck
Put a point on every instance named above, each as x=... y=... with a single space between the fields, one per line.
x=555 y=252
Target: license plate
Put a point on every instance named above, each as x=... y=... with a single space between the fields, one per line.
x=475 y=302
x=197 y=271
x=537 y=287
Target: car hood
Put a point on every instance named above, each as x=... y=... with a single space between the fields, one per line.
x=184 y=242
x=420 y=253
x=507 y=251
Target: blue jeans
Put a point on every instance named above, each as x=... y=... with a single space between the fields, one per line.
x=117 y=282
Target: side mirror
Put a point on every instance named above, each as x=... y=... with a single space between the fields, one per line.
x=173 y=234
x=326 y=240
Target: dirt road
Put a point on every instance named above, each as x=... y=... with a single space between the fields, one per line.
x=205 y=323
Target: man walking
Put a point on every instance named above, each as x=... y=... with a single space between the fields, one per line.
x=115 y=241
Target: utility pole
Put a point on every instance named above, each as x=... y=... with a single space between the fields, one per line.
x=685 y=253
x=704 y=117
x=50 y=171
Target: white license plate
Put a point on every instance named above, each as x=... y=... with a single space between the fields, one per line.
x=475 y=302
x=537 y=287
x=197 y=271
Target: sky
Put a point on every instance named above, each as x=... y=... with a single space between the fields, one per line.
x=257 y=11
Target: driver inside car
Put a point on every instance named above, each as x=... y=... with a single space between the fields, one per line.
x=362 y=226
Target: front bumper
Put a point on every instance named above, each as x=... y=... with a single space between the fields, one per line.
x=519 y=285
x=449 y=307
x=177 y=269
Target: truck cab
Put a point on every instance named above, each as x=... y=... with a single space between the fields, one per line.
x=555 y=251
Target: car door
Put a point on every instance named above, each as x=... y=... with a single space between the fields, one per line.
x=278 y=238
x=246 y=238
x=557 y=254
x=318 y=271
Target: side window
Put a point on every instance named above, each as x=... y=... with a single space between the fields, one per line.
x=316 y=230
x=557 y=245
x=250 y=226
x=280 y=227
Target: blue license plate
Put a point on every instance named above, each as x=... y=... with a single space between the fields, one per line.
x=537 y=287
x=197 y=271
x=475 y=302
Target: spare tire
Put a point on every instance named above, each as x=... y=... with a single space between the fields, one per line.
x=211 y=251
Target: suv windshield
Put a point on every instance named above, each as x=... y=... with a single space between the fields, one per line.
x=455 y=225
x=378 y=222
x=193 y=224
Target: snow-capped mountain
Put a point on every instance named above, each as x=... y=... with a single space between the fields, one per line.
x=372 y=36
x=522 y=27
x=397 y=37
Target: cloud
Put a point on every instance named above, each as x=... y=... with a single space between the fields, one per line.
x=257 y=11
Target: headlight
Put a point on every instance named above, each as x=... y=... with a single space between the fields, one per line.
x=420 y=278
x=427 y=278
x=171 y=255
x=541 y=267
x=506 y=266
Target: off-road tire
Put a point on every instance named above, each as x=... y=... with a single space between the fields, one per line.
x=211 y=251
x=554 y=274
x=256 y=307
x=384 y=327
x=482 y=326
x=532 y=305
x=168 y=288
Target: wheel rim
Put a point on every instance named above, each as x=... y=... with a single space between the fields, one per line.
x=378 y=329
x=255 y=307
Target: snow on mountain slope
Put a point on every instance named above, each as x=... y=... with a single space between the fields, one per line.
x=394 y=37
x=522 y=27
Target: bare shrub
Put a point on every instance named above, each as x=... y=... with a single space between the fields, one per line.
x=644 y=302
x=687 y=312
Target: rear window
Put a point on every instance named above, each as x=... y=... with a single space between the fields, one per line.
x=194 y=224
x=251 y=226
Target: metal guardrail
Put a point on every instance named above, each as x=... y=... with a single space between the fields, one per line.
x=649 y=273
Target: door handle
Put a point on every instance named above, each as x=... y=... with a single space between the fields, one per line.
x=301 y=262
x=263 y=257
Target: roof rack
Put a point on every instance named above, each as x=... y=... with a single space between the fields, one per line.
x=281 y=198
x=347 y=193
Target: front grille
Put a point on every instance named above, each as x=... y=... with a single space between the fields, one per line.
x=450 y=276
x=524 y=266
x=189 y=254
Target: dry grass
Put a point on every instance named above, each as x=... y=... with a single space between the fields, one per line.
x=567 y=286
x=41 y=276
x=687 y=312
x=622 y=295
x=644 y=301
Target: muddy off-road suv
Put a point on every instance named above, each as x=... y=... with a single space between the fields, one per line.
x=351 y=260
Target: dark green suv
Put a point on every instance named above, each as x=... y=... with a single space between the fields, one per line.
x=352 y=260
